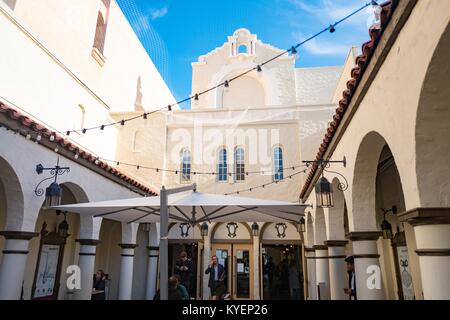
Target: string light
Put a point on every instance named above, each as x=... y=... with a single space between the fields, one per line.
x=293 y=50
x=263 y=186
x=138 y=167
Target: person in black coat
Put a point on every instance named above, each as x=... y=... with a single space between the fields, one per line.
x=99 y=286
x=216 y=281
x=351 y=290
x=184 y=267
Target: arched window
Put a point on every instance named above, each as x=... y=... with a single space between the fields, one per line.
x=100 y=33
x=239 y=164
x=185 y=166
x=222 y=166
x=242 y=49
x=278 y=173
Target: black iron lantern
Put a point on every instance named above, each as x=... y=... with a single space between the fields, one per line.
x=324 y=193
x=63 y=227
x=386 y=228
x=301 y=226
x=53 y=195
x=255 y=229
x=204 y=229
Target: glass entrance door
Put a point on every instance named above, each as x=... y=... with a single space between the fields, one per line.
x=238 y=264
x=242 y=256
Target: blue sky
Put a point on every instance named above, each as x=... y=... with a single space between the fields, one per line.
x=176 y=32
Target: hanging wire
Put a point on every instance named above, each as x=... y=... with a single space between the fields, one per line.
x=293 y=50
x=263 y=186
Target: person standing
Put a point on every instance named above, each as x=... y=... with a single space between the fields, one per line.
x=351 y=290
x=184 y=268
x=294 y=281
x=99 y=286
x=216 y=273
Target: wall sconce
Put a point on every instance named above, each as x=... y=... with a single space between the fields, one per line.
x=301 y=225
x=53 y=193
x=386 y=227
x=204 y=229
x=255 y=229
x=324 y=189
x=63 y=227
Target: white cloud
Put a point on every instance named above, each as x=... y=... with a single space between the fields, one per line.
x=158 y=13
x=331 y=11
x=321 y=47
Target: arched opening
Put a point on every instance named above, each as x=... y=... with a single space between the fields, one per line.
x=377 y=197
x=433 y=129
x=244 y=92
x=222 y=165
x=109 y=255
x=243 y=49
x=394 y=256
x=186 y=238
x=282 y=262
x=100 y=33
x=11 y=200
x=232 y=243
x=185 y=166
x=34 y=284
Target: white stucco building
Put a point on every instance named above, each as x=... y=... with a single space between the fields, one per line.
x=385 y=111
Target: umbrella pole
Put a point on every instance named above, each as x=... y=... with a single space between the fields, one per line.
x=164 y=246
x=164 y=238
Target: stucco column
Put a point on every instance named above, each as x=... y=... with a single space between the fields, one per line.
x=432 y=232
x=256 y=262
x=152 y=272
x=322 y=272
x=311 y=275
x=86 y=262
x=337 y=265
x=12 y=269
x=153 y=257
x=367 y=265
x=206 y=261
x=126 y=271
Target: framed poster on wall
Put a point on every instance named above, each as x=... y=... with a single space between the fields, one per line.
x=48 y=267
x=403 y=274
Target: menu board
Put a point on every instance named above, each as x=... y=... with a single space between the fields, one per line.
x=48 y=265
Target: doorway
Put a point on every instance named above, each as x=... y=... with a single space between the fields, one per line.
x=192 y=250
x=237 y=260
x=282 y=272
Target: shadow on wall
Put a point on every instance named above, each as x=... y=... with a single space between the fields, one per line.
x=11 y=3
x=139 y=96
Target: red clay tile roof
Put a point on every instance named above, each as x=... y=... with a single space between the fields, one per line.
x=356 y=74
x=32 y=125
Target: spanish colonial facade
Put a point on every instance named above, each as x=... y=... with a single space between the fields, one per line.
x=385 y=111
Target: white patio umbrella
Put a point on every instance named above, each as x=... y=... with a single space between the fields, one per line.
x=191 y=207
x=187 y=205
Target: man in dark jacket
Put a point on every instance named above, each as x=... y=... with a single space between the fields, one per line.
x=184 y=267
x=216 y=273
x=351 y=290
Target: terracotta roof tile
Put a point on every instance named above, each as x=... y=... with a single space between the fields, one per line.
x=32 y=125
x=347 y=95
